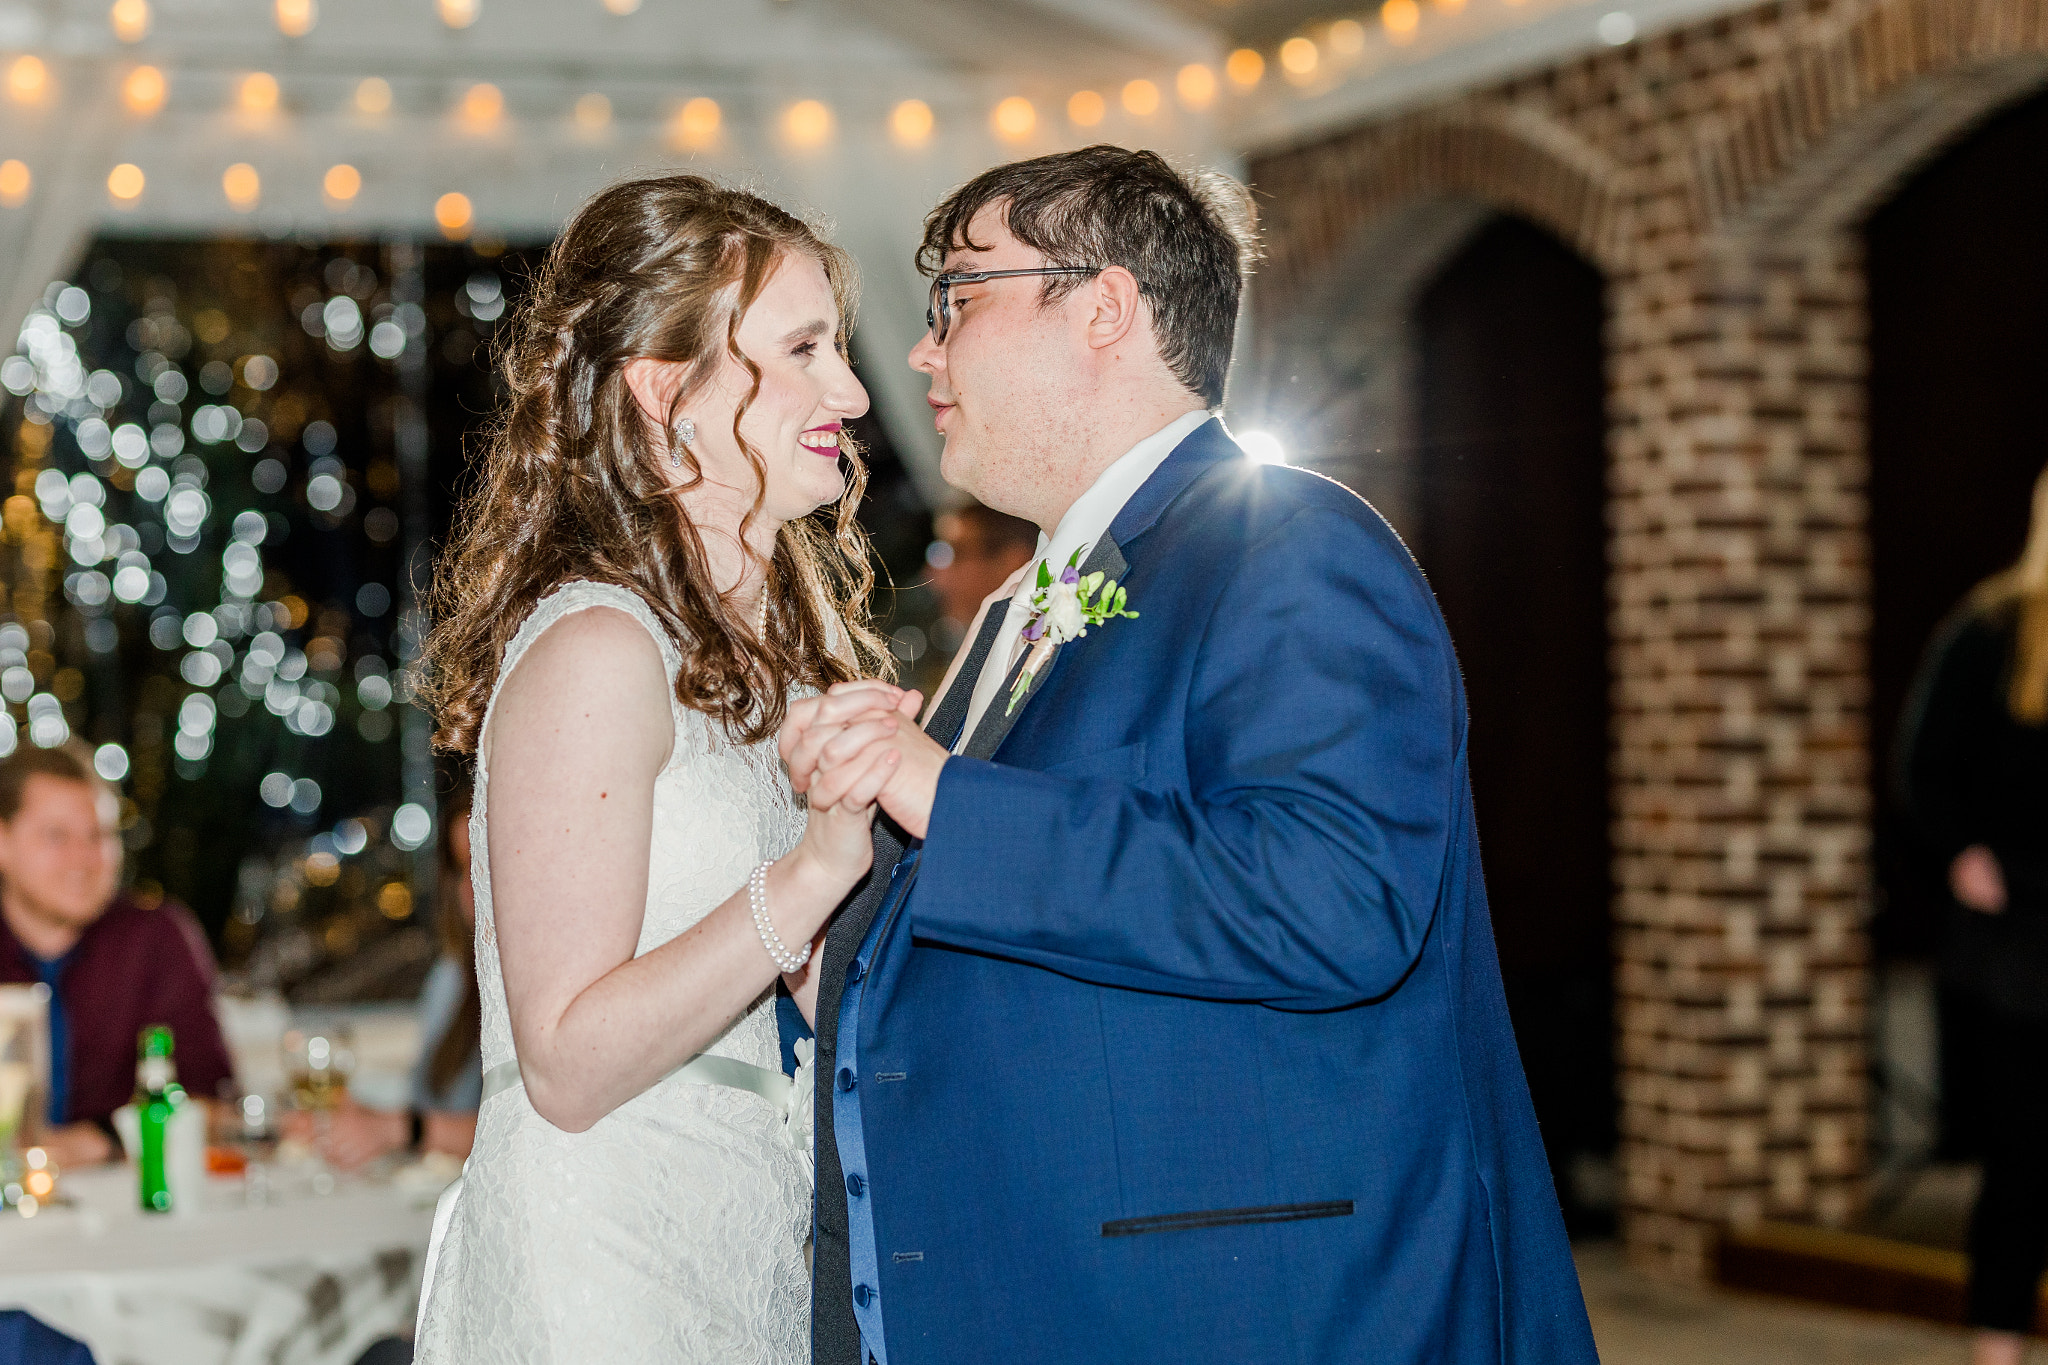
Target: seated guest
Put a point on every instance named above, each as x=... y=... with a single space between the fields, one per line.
x=447 y=1080
x=977 y=550
x=113 y=967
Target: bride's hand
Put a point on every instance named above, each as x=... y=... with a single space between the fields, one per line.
x=837 y=839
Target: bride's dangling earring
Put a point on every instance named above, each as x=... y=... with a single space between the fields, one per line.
x=686 y=432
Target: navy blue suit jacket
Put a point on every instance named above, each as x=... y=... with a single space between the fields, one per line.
x=1202 y=1047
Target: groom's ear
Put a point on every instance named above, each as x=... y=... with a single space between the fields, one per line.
x=1119 y=308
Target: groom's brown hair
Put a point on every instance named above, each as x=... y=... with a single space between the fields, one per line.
x=1189 y=239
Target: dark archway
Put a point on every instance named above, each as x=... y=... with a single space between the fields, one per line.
x=1958 y=432
x=1511 y=472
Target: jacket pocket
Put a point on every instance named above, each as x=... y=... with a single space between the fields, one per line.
x=1224 y=1218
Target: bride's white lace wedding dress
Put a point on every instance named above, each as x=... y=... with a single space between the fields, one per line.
x=674 y=1229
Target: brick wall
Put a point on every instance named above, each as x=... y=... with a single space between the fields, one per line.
x=1717 y=175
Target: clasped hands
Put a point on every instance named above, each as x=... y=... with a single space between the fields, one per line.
x=831 y=742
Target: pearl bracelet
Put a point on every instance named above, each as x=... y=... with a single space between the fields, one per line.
x=757 y=897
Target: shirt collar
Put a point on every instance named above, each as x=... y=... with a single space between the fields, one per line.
x=1089 y=519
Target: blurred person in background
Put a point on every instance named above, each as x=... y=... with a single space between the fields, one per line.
x=976 y=550
x=1974 y=770
x=113 y=966
x=448 y=1077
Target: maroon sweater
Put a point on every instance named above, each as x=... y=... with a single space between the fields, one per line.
x=132 y=968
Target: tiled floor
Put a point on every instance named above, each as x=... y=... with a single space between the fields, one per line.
x=1638 y=1321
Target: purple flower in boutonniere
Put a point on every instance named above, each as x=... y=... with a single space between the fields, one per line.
x=1061 y=610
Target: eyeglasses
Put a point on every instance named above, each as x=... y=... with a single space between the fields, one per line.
x=938 y=315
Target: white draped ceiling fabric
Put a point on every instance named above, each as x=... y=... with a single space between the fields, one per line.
x=235 y=111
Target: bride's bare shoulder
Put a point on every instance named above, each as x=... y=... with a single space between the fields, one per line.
x=593 y=677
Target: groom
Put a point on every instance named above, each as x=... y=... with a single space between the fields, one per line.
x=1177 y=1032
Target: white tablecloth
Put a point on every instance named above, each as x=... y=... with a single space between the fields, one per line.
x=305 y=1279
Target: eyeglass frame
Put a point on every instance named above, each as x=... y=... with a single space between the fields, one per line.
x=938 y=313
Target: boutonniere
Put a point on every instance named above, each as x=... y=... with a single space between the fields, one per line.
x=1061 y=610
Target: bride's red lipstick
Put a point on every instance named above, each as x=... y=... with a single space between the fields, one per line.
x=835 y=428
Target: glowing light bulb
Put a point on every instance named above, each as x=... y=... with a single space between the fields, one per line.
x=1245 y=67
x=257 y=93
x=341 y=183
x=143 y=91
x=453 y=213
x=1085 y=108
x=1196 y=85
x=27 y=79
x=242 y=186
x=910 y=123
x=1141 y=98
x=295 y=18
x=373 y=95
x=1014 y=118
x=696 y=123
x=807 y=123
x=130 y=19
x=593 y=113
x=15 y=183
x=125 y=182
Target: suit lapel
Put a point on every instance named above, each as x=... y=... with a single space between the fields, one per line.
x=1107 y=559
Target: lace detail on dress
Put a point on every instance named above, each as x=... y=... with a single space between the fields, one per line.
x=674 y=1229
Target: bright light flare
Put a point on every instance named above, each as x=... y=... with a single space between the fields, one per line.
x=1262 y=447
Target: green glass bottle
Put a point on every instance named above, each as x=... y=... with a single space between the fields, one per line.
x=156 y=1100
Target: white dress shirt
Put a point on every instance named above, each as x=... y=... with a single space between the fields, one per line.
x=1086 y=522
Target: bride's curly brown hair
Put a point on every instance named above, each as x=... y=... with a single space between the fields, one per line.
x=571 y=485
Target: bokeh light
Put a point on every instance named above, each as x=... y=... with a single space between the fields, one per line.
x=257 y=94
x=27 y=80
x=1141 y=98
x=15 y=182
x=295 y=18
x=125 y=182
x=1085 y=108
x=1196 y=85
x=130 y=19
x=910 y=123
x=242 y=186
x=341 y=183
x=1245 y=67
x=807 y=123
x=1014 y=118
x=1347 y=36
x=1298 y=57
x=143 y=91
x=592 y=113
x=483 y=104
x=696 y=123
x=1400 y=18
x=622 y=7
x=453 y=212
x=459 y=13
x=373 y=95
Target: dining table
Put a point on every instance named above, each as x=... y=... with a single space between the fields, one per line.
x=285 y=1264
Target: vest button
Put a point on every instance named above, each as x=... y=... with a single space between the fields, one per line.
x=846 y=1078
x=855 y=1186
x=862 y=1295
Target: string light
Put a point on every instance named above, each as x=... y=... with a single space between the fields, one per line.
x=1196 y=85
x=242 y=186
x=125 y=182
x=341 y=184
x=910 y=123
x=459 y=13
x=1245 y=67
x=1014 y=118
x=483 y=104
x=807 y=123
x=257 y=93
x=1141 y=97
x=1399 y=18
x=295 y=18
x=15 y=183
x=453 y=213
x=143 y=91
x=1347 y=36
x=696 y=124
x=1298 y=57
x=27 y=79
x=373 y=95
x=130 y=19
x=1085 y=108
x=593 y=113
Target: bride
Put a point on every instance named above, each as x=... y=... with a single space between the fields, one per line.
x=637 y=589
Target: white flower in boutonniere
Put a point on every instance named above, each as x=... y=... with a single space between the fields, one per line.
x=1061 y=610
